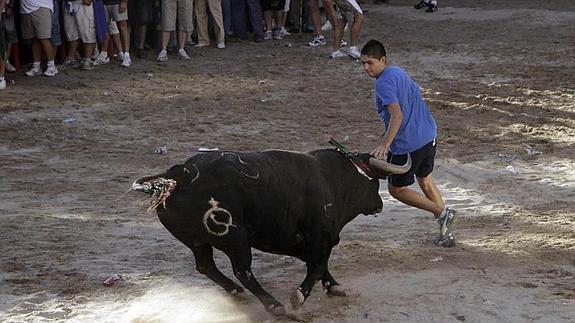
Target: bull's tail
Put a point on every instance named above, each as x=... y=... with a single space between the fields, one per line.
x=159 y=187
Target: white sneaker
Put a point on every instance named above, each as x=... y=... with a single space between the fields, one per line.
x=96 y=53
x=126 y=61
x=87 y=65
x=353 y=52
x=101 y=60
x=35 y=71
x=162 y=56
x=51 y=71
x=2 y=84
x=182 y=55
x=318 y=40
x=284 y=32
x=221 y=45
x=338 y=53
x=9 y=67
x=268 y=35
x=343 y=43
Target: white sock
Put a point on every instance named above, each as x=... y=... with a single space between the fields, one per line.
x=126 y=55
x=36 y=65
x=442 y=214
x=104 y=54
x=51 y=63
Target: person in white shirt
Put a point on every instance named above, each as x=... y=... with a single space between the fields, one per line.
x=36 y=18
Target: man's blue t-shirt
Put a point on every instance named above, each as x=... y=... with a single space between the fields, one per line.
x=418 y=127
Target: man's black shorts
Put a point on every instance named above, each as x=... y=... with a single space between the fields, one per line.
x=422 y=161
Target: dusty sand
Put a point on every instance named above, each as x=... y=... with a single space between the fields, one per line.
x=498 y=75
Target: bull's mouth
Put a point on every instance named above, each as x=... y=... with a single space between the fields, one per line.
x=159 y=188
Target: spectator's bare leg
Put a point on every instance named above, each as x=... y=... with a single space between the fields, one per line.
x=314 y=14
x=182 y=36
x=142 y=40
x=124 y=35
x=72 y=50
x=88 y=50
x=356 y=29
x=338 y=33
x=330 y=11
x=268 y=15
x=36 y=50
x=48 y=48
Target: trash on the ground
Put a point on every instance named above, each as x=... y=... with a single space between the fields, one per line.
x=150 y=74
x=69 y=120
x=106 y=93
x=161 y=150
x=436 y=259
x=288 y=45
x=112 y=280
x=511 y=169
x=261 y=81
x=505 y=156
x=207 y=149
x=531 y=151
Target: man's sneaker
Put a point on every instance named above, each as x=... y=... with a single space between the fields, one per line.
x=87 y=65
x=446 y=242
x=343 y=43
x=221 y=45
x=268 y=35
x=162 y=56
x=338 y=53
x=182 y=55
x=431 y=7
x=2 y=84
x=127 y=61
x=51 y=71
x=35 y=71
x=445 y=222
x=200 y=44
x=101 y=60
x=284 y=32
x=277 y=34
x=318 y=40
x=327 y=26
x=9 y=67
x=69 y=63
x=353 y=52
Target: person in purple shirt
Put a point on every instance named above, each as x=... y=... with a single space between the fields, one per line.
x=409 y=129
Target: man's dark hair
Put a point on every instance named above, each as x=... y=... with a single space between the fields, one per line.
x=373 y=48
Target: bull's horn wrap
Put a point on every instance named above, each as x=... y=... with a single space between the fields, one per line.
x=389 y=167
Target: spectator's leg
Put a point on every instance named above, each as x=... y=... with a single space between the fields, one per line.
x=216 y=10
x=356 y=28
x=202 y=23
x=338 y=33
x=314 y=16
x=124 y=35
x=239 y=18
x=256 y=19
x=46 y=45
x=227 y=16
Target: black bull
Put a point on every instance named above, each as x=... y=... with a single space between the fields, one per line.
x=276 y=201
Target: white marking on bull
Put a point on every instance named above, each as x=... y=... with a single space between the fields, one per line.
x=211 y=214
x=197 y=173
x=237 y=155
x=325 y=209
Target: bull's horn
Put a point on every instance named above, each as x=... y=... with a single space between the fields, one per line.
x=389 y=167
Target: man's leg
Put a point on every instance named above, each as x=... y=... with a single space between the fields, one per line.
x=356 y=28
x=314 y=16
x=431 y=191
x=406 y=195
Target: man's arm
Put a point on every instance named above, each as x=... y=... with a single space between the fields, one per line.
x=394 y=124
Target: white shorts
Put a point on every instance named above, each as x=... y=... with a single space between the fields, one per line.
x=82 y=25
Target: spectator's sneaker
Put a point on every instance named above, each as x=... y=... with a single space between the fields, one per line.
x=284 y=32
x=87 y=65
x=162 y=56
x=182 y=55
x=51 y=71
x=120 y=56
x=2 y=84
x=421 y=4
x=353 y=52
x=318 y=40
x=343 y=43
x=338 y=53
x=202 y=45
x=446 y=242
x=101 y=60
x=445 y=222
x=221 y=45
x=9 y=67
x=70 y=63
x=96 y=53
x=127 y=61
x=431 y=7
x=277 y=34
x=35 y=71
x=268 y=35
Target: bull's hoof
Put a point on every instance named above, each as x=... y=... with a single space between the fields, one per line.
x=336 y=290
x=277 y=309
x=297 y=299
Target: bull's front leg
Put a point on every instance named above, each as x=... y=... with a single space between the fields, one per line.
x=316 y=266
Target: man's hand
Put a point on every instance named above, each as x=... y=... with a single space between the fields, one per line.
x=86 y=2
x=123 y=6
x=380 y=152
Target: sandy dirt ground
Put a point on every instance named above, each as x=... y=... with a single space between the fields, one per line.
x=499 y=77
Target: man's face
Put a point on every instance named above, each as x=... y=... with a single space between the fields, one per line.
x=373 y=66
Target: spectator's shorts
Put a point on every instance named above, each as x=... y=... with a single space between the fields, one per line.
x=182 y=10
x=141 y=12
x=422 y=162
x=273 y=5
x=37 y=24
x=113 y=12
x=113 y=27
x=82 y=25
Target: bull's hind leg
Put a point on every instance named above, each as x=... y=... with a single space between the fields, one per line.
x=331 y=286
x=240 y=256
x=204 y=255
